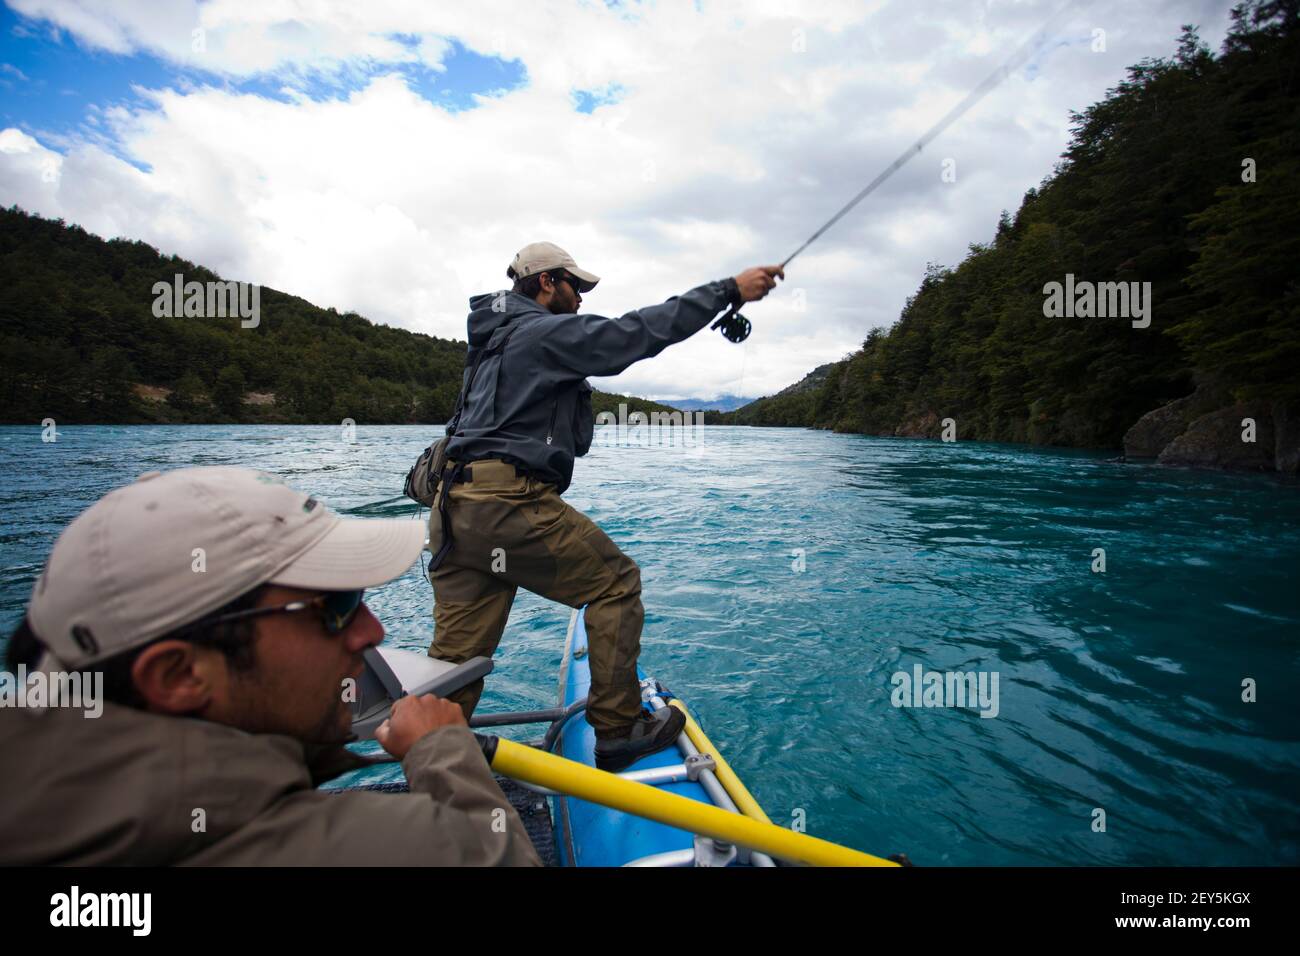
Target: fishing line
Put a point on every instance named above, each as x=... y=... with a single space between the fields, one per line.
x=735 y=327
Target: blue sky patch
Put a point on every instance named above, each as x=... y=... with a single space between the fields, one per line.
x=466 y=73
x=48 y=84
x=585 y=101
x=52 y=87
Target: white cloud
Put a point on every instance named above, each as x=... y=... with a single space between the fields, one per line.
x=727 y=146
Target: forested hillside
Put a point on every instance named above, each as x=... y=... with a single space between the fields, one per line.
x=79 y=342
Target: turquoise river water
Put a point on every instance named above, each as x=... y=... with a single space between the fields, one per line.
x=789 y=575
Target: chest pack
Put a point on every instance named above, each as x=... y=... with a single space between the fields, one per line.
x=422 y=480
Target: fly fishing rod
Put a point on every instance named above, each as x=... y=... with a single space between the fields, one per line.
x=736 y=328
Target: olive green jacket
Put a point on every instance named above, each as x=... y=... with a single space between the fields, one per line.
x=136 y=788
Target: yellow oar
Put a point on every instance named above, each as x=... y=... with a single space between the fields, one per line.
x=587 y=783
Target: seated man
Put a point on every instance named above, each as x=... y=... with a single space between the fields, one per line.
x=221 y=612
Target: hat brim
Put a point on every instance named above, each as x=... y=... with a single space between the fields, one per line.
x=356 y=553
x=589 y=279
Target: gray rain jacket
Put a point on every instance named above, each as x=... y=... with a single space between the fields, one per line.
x=135 y=788
x=530 y=403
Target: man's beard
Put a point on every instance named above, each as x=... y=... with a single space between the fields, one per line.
x=332 y=729
x=259 y=714
x=556 y=307
x=335 y=724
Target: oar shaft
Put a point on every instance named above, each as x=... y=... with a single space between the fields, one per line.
x=531 y=765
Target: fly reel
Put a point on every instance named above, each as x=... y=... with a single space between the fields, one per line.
x=733 y=326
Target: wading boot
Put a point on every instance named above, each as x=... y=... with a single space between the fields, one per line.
x=650 y=734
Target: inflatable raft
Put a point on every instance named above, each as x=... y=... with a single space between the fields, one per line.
x=683 y=806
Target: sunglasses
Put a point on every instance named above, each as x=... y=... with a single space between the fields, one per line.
x=336 y=609
x=574 y=283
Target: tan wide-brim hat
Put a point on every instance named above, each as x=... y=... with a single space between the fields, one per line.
x=173 y=547
x=542 y=257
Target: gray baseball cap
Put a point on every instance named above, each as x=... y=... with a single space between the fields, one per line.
x=542 y=257
x=172 y=547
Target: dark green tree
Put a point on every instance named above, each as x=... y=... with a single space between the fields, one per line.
x=189 y=393
x=228 y=392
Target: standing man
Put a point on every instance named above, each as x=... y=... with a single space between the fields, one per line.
x=527 y=413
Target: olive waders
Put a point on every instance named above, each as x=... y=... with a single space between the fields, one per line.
x=512 y=531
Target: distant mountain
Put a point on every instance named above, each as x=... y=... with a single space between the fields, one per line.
x=723 y=403
x=793 y=404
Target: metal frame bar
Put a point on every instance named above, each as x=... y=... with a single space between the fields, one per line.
x=717 y=793
x=510 y=718
x=553 y=732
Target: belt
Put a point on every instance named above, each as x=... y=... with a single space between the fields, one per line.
x=458 y=473
x=458 y=476
x=485 y=468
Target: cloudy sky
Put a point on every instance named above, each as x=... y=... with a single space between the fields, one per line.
x=390 y=156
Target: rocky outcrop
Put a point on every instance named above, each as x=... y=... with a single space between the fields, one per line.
x=1206 y=430
x=1156 y=429
x=924 y=425
x=1224 y=439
